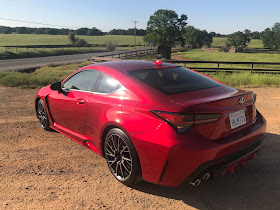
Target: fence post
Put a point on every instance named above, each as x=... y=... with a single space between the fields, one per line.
x=218 y=67
x=252 y=68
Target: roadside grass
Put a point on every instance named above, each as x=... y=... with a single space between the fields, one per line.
x=221 y=42
x=49 y=74
x=247 y=79
x=41 y=77
x=201 y=55
x=54 y=52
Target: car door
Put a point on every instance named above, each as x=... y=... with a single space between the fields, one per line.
x=69 y=108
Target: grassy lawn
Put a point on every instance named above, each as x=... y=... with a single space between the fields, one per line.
x=201 y=55
x=47 y=75
x=247 y=79
x=41 y=39
x=221 y=42
x=41 y=77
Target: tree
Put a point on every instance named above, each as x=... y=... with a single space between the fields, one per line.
x=165 y=27
x=255 y=35
x=247 y=32
x=238 y=40
x=197 y=38
x=95 y=32
x=72 y=38
x=271 y=37
x=82 y=31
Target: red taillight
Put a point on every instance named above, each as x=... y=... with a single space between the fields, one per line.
x=183 y=122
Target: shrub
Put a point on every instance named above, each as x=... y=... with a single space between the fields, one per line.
x=111 y=46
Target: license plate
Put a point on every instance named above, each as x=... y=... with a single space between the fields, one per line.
x=237 y=119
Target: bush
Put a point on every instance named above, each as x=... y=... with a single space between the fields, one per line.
x=110 y=46
x=81 y=43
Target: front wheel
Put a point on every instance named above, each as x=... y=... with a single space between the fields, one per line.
x=122 y=158
x=42 y=115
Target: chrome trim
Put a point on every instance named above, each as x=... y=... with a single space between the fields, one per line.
x=84 y=91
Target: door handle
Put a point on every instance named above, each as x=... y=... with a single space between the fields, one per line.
x=81 y=101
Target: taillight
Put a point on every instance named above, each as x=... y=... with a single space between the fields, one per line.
x=183 y=122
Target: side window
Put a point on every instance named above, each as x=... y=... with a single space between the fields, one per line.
x=83 y=80
x=107 y=84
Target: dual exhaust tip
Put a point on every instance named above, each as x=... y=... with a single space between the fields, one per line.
x=197 y=182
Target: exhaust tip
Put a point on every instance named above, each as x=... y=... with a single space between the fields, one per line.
x=196 y=182
x=206 y=176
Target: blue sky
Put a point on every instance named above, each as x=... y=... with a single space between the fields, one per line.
x=221 y=16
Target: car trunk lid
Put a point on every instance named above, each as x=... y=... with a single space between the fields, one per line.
x=236 y=107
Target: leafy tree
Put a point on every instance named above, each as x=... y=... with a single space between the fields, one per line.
x=197 y=38
x=255 y=35
x=6 y=30
x=72 y=38
x=82 y=31
x=247 y=32
x=95 y=32
x=271 y=37
x=165 y=27
x=81 y=43
x=118 y=32
x=238 y=40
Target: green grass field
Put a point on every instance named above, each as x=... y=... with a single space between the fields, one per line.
x=201 y=55
x=41 y=39
x=47 y=75
x=221 y=42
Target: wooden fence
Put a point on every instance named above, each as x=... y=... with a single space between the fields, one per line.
x=44 y=47
x=252 y=66
x=129 y=54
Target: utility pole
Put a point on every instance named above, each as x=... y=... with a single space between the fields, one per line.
x=135 y=31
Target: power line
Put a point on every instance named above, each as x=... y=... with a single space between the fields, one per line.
x=22 y=21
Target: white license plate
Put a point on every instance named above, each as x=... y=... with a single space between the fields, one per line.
x=237 y=119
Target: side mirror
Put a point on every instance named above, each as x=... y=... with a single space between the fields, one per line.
x=56 y=86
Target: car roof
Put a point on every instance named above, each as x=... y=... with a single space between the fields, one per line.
x=130 y=65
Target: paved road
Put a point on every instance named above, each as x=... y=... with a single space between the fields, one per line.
x=28 y=63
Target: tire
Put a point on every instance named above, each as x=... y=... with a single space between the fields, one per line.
x=121 y=157
x=42 y=115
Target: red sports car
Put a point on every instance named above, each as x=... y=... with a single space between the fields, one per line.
x=154 y=121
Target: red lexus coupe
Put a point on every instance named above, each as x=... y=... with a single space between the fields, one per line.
x=154 y=121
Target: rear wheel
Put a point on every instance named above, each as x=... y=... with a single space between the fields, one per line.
x=42 y=115
x=122 y=158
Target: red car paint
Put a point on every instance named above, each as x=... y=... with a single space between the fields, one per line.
x=166 y=156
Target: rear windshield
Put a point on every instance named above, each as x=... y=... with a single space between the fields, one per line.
x=174 y=80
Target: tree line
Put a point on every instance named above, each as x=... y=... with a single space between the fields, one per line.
x=167 y=27
x=65 y=31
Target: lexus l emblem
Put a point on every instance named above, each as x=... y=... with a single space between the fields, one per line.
x=242 y=100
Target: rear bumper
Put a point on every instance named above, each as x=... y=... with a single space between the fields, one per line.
x=221 y=165
x=175 y=161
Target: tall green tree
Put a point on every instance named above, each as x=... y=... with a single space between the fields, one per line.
x=197 y=38
x=166 y=27
x=239 y=40
x=271 y=37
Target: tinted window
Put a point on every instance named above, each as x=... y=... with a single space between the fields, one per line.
x=107 y=84
x=174 y=80
x=84 y=80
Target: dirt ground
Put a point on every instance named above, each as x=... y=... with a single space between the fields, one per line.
x=45 y=170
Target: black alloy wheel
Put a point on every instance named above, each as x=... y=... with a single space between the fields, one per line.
x=42 y=115
x=122 y=158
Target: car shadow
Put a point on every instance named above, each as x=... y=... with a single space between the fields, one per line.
x=256 y=186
